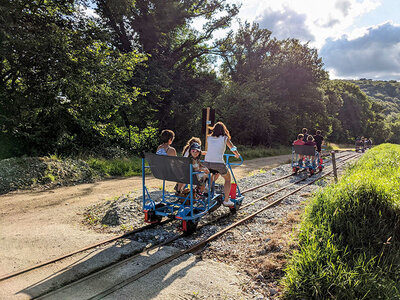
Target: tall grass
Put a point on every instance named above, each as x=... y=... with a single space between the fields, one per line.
x=249 y=152
x=117 y=167
x=350 y=237
x=132 y=166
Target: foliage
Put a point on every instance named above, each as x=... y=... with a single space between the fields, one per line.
x=387 y=93
x=349 y=239
x=116 y=167
x=274 y=87
x=358 y=115
x=78 y=85
x=60 y=79
x=177 y=79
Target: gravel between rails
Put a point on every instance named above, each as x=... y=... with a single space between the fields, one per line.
x=259 y=248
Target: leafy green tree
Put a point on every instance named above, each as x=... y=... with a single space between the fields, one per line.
x=358 y=115
x=176 y=77
x=285 y=75
x=61 y=83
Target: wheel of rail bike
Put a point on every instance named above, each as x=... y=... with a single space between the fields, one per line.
x=151 y=217
x=218 y=201
x=189 y=226
x=295 y=170
x=234 y=209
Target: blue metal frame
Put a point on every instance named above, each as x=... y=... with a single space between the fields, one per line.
x=307 y=164
x=174 y=206
x=239 y=197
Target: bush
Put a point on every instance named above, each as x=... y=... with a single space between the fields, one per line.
x=117 y=167
x=350 y=237
x=249 y=152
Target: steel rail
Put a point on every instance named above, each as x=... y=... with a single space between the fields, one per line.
x=45 y=263
x=39 y=265
x=205 y=241
x=170 y=240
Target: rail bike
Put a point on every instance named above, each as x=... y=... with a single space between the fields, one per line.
x=188 y=207
x=359 y=146
x=306 y=157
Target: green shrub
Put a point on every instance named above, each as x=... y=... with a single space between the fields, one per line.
x=350 y=237
x=249 y=152
x=117 y=167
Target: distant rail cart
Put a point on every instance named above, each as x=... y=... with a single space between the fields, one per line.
x=360 y=146
x=188 y=206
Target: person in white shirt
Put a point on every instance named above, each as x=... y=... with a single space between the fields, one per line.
x=214 y=160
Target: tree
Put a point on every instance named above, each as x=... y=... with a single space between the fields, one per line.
x=61 y=82
x=285 y=75
x=357 y=115
x=177 y=53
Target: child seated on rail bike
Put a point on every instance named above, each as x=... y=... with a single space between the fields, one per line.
x=190 y=142
x=311 y=142
x=194 y=155
x=300 y=141
x=185 y=153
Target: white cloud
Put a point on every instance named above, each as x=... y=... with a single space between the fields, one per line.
x=374 y=55
x=308 y=20
x=286 y=24
x=344 y=6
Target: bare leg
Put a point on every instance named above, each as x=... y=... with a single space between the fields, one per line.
x=227 y=185
x=180 y=186
x=214 y=178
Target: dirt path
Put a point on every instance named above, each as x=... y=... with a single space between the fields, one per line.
x=38 y=226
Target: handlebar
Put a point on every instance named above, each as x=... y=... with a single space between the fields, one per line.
x=232 y=155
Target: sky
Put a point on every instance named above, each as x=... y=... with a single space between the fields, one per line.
x=355 y=38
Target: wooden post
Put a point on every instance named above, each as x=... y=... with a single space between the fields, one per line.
x=334 y=166
x=207 y=125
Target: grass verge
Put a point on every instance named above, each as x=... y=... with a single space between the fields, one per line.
x=249 y=152
x=349 y=239
x=133 y=166
x=117 y=167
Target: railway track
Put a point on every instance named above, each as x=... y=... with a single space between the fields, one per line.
x=125 y=235
x=66 y=290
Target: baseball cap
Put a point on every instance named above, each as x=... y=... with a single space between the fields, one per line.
x=195 y=146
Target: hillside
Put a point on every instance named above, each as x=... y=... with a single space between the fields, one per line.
x=385 y=92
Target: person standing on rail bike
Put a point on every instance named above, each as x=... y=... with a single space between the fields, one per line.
x=167 y=137
x=369 y=143
x=305 y=134
x=214 y=159
x=318 y=139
